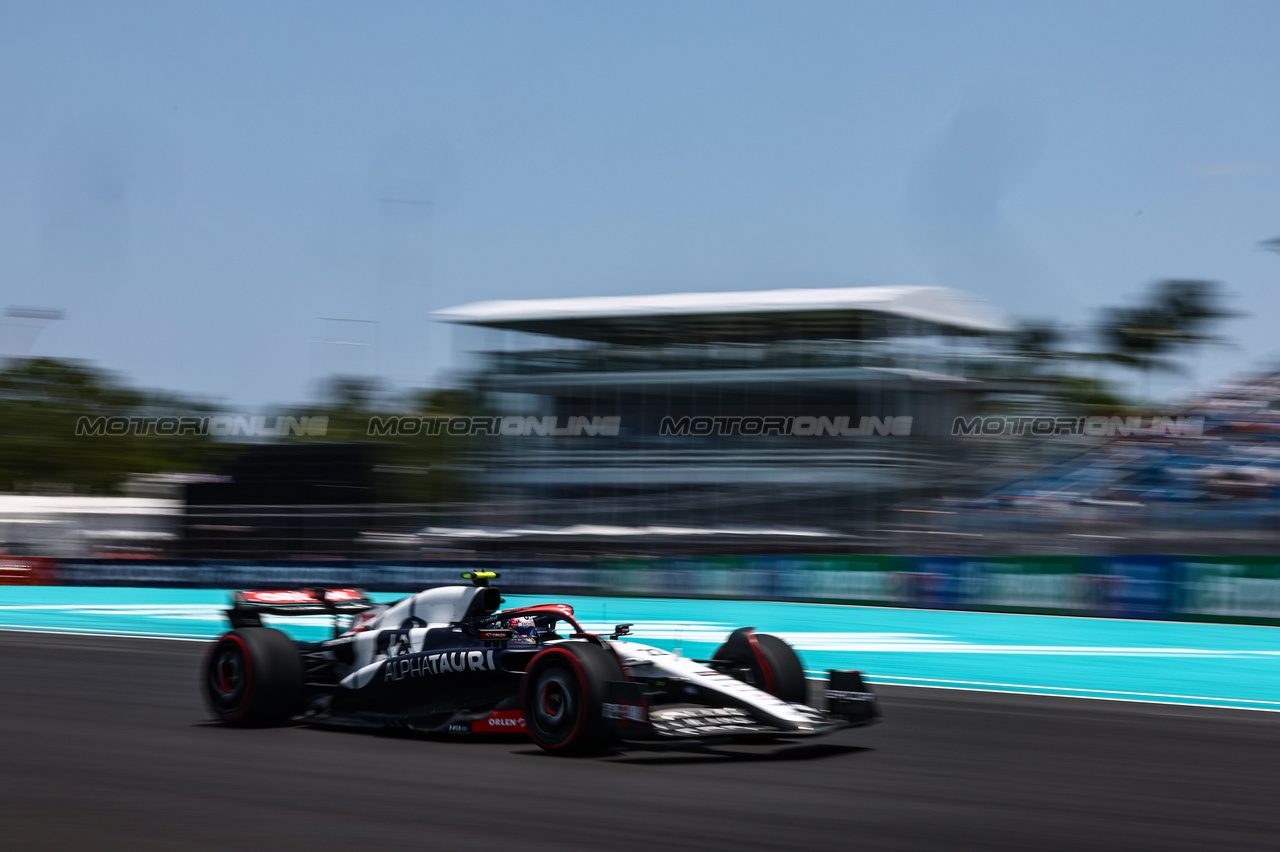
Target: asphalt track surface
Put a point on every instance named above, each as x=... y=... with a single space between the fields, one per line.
x=106 y=745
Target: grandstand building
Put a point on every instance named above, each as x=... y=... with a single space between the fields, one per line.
x=786 y=408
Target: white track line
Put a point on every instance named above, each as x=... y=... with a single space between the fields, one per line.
x=1077 y=689
x=1043 y=692
x=963 y=686
x=168 y=637
x=1096 y=697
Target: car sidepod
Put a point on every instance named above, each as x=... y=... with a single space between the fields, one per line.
x=429 y=682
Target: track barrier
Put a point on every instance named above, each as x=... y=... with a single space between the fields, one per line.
x=1191 y=588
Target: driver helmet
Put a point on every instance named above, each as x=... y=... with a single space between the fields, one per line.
x=525 y=630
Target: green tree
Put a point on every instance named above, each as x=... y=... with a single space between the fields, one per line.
x=41 y=401
x=408 y=468
x=1174 y=317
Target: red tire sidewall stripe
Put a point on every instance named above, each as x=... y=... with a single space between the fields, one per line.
x=248 y=673
x=770 y=685
x=581 y=674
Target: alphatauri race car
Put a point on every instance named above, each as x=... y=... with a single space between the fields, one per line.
x=449 y=660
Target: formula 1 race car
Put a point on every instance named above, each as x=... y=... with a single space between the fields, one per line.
x=449 y=660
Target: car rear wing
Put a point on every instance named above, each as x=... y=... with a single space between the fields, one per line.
x=248 y=607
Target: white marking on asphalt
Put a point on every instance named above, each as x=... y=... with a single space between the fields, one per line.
x=934 y=680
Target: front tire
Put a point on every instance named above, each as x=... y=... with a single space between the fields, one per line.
x=253 y=678
x=774 y=665
x=562 y=697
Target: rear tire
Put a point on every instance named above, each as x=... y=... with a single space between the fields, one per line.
x=562 y=697
x=253 y=678
x=774 y=665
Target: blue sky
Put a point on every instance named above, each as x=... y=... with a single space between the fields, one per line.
x=199 y=186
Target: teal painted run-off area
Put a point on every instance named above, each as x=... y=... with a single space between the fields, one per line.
x=1168 y=662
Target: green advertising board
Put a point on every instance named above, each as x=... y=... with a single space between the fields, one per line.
x=1228 y=588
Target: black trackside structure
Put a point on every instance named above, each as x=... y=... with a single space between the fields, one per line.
x=450 y=661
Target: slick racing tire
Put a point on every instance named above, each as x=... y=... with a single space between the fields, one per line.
x=774 y=666
x=562 y=697
x=253 y=678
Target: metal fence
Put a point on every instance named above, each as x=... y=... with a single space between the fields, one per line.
x=743 y=524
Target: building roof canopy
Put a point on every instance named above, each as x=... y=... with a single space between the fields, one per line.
x=843 y=313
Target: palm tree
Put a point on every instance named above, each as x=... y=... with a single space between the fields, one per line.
x=1174 y=317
